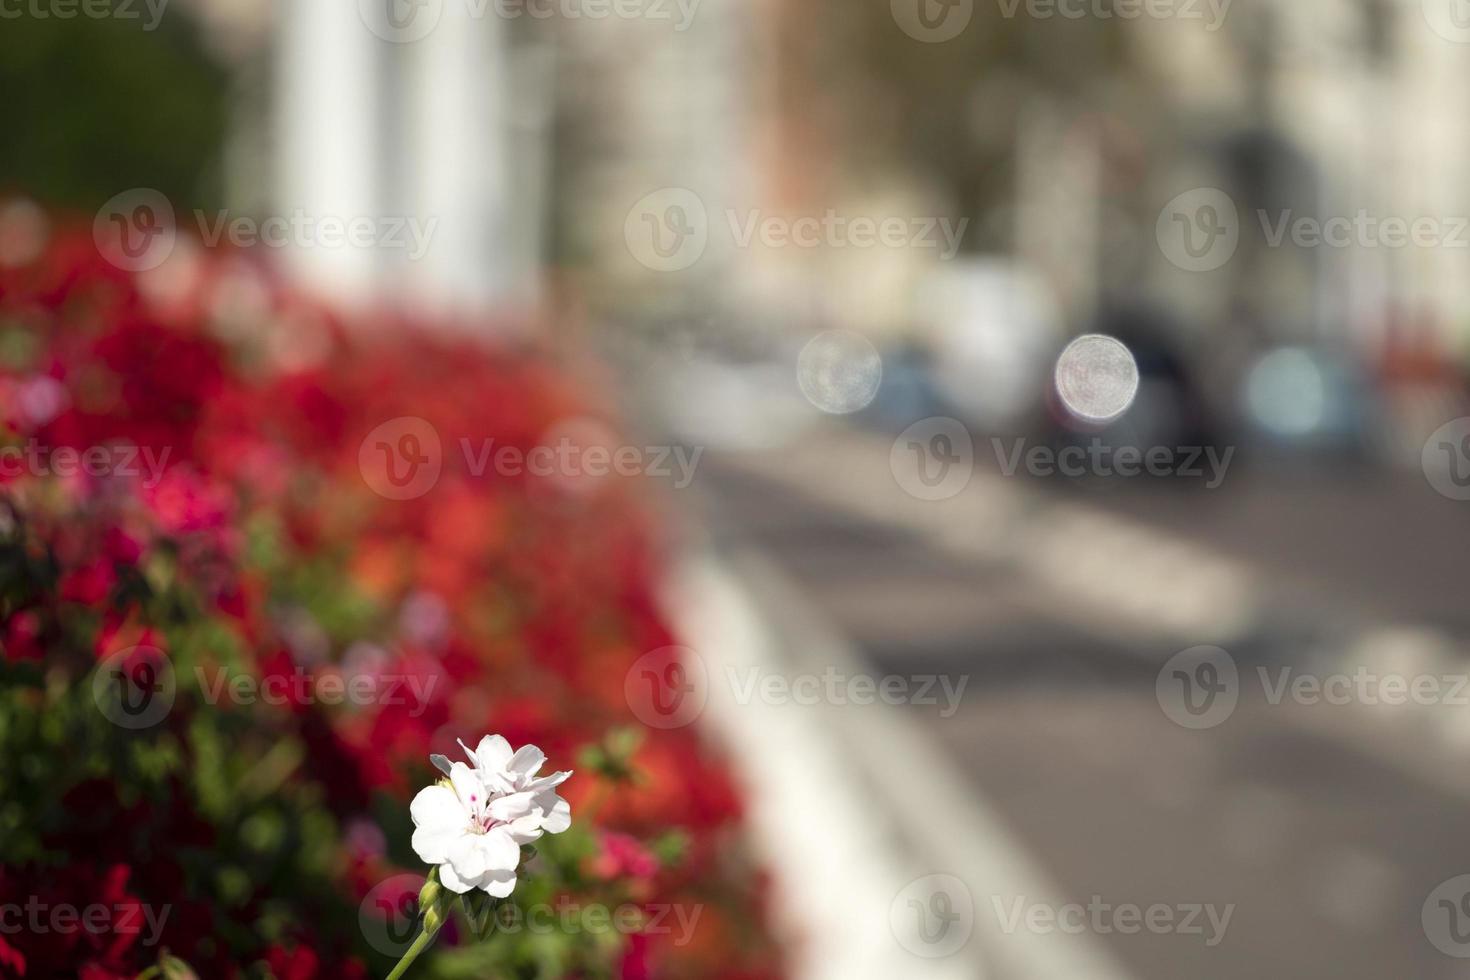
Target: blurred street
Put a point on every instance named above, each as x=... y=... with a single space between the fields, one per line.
x=1327 y=826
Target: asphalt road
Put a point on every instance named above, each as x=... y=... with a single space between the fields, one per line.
x=1323 y=828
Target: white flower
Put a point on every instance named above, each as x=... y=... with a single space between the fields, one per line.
x=473 y=824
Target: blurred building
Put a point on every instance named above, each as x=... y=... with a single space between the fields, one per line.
x=382 y=110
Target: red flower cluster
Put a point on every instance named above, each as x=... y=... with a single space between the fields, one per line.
x=190 y=492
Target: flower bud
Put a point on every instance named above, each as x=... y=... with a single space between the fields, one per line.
x=429 y=894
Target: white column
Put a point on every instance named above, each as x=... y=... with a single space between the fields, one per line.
x=455 y=162
x=329 y=146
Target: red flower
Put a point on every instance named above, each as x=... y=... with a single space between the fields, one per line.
x=299 y=963
x=623 y=856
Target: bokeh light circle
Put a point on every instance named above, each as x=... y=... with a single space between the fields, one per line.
x=839 y=371
x=1096 y=378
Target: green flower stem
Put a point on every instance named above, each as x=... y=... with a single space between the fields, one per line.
x=434 y=899
x=426 y=938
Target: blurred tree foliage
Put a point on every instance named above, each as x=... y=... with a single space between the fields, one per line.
x=947 y=111
x=91 y=107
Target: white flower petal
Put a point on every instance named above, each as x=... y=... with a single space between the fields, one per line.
x=548 y=782
x=467 y=855
x=451 y=880
x=497 y=783
x=501 y=853
x=512 y=806
x=527 y=760
x=437 y=806
x=432 y=844
x=499 y=887
x=493 y=753
x=557 y=813
x=525 y=830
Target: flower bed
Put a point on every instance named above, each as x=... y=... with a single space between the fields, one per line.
x=228 y=651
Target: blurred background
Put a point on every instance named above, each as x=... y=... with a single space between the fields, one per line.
x=1027 y=347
